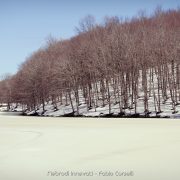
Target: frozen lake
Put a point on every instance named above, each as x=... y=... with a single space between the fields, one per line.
x=36 y=148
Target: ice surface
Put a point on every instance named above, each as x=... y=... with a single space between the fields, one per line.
x=32 y=146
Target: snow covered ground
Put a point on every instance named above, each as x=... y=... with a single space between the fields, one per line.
x=66 y=110
x=35 y=148
x=63 y=110
x=3 y=107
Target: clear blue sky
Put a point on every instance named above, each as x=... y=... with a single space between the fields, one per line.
x=26 y=24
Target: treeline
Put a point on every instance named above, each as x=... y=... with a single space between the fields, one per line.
x=109 y=63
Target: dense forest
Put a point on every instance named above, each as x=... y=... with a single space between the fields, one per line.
x=114 y=62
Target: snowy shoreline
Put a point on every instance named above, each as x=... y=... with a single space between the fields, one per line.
x=99 y=112
x=71 y=115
